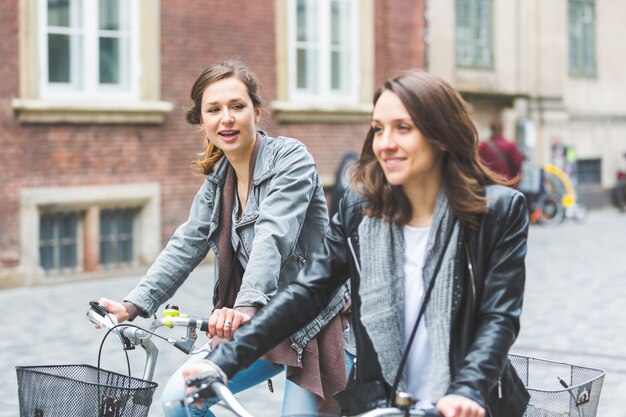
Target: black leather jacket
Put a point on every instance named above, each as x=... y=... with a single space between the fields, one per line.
x=484 y=325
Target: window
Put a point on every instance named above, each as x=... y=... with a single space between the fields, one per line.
x=589 y=171
x=116 y=237
x=58 y=241
x=582 y=39
x=80 y=62
x=324 y=61
x=71 y=231
x=323 y=53
x=88 y=45
x=474 y=33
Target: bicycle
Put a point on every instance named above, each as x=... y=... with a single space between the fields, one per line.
x=561 y=184
x=86 y=391
x=552 y=196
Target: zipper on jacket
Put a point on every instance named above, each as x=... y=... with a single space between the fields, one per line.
x=298 y=350
x=470 y=268
x=500 y=387
x=356 y=260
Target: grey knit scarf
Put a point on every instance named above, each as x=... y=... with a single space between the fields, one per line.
x=382 y=292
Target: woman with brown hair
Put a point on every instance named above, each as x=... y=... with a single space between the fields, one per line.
x=435 y=250
x=261 y=210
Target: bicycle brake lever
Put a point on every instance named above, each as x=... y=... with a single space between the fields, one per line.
x=203 y=392
x=203 y=378
x=186 y=343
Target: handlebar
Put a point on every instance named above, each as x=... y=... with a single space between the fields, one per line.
x=392 y=411
x=133 y=335
x=99 y=315
x=209 y=385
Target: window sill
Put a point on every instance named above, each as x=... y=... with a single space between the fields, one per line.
x=288 y=112
x=47 y=111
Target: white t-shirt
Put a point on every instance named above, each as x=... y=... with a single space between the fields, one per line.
x=419 y=361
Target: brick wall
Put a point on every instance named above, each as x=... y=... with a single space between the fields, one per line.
x=399 y=40
x=193 y=35
x=10 y=143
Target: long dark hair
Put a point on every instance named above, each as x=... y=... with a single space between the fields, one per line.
x=220 y=71
x=443 y=117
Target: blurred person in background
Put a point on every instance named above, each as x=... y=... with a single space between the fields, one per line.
x=501 y=155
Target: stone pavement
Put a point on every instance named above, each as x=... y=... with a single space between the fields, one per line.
x=574 y=302
x=576 y=284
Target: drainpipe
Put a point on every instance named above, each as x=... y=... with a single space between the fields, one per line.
x=518 y=45
x=426 y=35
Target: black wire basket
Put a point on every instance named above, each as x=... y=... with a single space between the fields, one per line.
x=81 y=390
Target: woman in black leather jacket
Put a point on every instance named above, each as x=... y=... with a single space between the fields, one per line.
x=432 y=237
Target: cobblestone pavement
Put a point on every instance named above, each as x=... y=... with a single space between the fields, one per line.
x=574 y=302
x=574 y=313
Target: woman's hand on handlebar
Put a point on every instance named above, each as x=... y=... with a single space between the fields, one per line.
x=196 y=375
x=115 y=309
x=459 y=406
x=224 y=321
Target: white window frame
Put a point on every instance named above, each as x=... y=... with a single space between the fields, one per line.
x=325 y=93
x=147 y=107
x=89 y=63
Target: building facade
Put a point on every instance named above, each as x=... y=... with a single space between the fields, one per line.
x=95 y=165
x=551 y=70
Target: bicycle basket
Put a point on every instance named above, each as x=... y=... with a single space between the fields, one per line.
x=81 y=390
x=548 y=397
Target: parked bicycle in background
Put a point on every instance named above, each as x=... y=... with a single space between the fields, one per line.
x=551 y=195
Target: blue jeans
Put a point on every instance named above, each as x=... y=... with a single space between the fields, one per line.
x=350 y=359
x=296 y=400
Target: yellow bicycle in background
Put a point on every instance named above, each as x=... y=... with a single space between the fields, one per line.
x=552 y=196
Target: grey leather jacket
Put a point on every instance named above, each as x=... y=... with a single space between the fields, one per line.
x=282 y=225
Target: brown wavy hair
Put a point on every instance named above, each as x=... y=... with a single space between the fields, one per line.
x=220 y=71
x=443 y=117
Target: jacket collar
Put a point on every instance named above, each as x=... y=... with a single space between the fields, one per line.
x=262 y=169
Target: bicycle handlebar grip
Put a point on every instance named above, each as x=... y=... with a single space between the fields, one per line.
x=107 y=321
x=98 y=308
x=433 y=412
x=202 y=324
